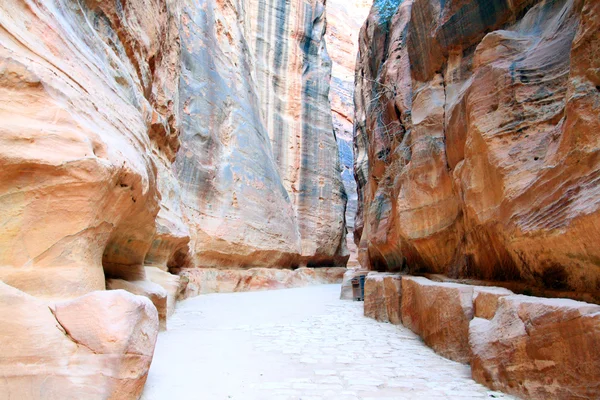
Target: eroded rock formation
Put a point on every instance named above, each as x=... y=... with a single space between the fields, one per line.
x=476 y=136
x=139 y=136
x=258 y=166
x=344 y=20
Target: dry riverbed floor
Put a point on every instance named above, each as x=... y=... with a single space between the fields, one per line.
x=297 y=344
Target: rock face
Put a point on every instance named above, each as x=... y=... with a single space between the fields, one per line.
x=344 y=20
x=539 y=348
x=258 y=164
x=212 y=280
x=171 y=134
x=181 y=133
x=383 y=294
x=475 y=137
x=78 y=349
x=440 y=313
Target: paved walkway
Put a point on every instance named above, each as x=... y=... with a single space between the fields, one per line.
x=296 y=344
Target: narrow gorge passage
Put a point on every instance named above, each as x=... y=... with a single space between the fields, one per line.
x=300 y=343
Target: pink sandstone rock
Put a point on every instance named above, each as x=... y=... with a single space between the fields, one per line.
x=79 y=349
x=154 y=292
x=539 y=348
x=440 y=313
x=210 y=280
x=383 y=294
x=485 y=300
x=477 y=153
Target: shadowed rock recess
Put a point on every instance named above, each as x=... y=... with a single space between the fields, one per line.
x=146 y=135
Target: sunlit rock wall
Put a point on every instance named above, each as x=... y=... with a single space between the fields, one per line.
x=344 y=20
x=258 y=167
x=476 y=135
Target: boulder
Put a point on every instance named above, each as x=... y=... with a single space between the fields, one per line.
x=383 y=293
x=539 y=348
x=173 y=284
x=440 y=313
x=156 y=293
x=98 y=346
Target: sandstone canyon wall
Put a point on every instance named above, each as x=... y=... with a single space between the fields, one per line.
x=344 y=20
x=135 y=133
x=145 y=134
x=476 y=138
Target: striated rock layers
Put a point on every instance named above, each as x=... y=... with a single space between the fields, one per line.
x=343 y=26
x=476 y=136
x=134 y=133
x=144 y=134
x=258 y=165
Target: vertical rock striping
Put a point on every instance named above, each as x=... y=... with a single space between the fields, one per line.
x=142 y=136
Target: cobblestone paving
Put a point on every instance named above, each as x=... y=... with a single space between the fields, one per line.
x=297 y=344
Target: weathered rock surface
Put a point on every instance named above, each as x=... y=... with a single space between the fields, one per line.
x=476 y=140
x=383 y=295
x=440 y=313
x=211 y=280
x=170 y=134
x=344 y=20
x=485 y=300
x=174 y=285
x=78 y=349
x=539 y=348
x=258 y=164
x=164 y=134
x=154 y=292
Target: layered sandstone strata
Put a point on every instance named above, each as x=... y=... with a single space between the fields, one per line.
x=475 y=135
x=258 y=165
x=383 y=294
x=168 y=134
x=212 y=280
x=528 y=346
x=161 y=134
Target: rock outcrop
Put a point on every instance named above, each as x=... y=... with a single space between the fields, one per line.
x=170 y=134
x=174 y=134
x=539 y=348
x=213 y=280
x=383 y=294
x=78 y=349
x=475 y=135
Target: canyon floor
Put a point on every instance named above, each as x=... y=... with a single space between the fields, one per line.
x=297 y=344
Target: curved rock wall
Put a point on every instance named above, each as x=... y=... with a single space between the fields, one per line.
x=172 y=134
x=137 y=134
x=475 y=141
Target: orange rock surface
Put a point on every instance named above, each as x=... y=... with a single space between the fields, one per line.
x=475 y=127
